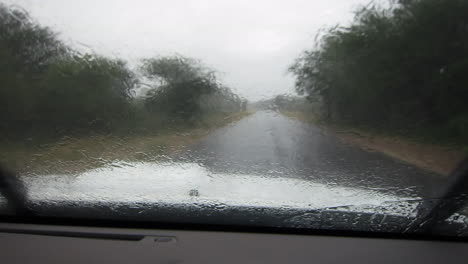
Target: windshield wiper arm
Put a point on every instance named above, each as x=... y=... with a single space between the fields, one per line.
x=14 y=192
x=451 y=199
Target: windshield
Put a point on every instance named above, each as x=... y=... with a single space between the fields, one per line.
x=321 y=115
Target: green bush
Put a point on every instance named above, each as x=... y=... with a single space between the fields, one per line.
x=401 y=67
x=49 y=90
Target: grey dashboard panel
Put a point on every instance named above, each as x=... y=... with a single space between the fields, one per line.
x=67 y=244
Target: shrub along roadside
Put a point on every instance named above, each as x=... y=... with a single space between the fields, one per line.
x=399 y=69
x=49 y=90
x=70 y=155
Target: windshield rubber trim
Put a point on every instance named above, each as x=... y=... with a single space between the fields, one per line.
x=55 y=221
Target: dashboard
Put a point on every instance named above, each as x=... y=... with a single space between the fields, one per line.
x=29 y=243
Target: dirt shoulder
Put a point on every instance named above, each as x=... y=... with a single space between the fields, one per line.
x=77 y=154
x=439 y=159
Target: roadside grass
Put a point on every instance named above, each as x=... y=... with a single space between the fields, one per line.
x=435 y=156
x=77 y=154
x=301 y=116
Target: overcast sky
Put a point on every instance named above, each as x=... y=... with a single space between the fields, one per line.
x=250 y=42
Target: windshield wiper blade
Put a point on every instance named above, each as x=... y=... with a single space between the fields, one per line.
x=14 y=192
x=451 y=199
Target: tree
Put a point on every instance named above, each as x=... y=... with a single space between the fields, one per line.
x=179 y=84
x=47 y=87
x=86 y=92
x=50 y=90
x=26 y=51
x=399 y=67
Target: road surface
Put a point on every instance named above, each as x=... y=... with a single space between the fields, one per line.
x=265 y=169
x=268 y=144
x=263 y=159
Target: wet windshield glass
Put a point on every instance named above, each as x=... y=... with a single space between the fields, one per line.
x=328 y=115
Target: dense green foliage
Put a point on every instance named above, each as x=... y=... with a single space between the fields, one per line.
x=26 y=51
x=398 y=68
x=293 y=103
x=285 y=102
x=86 y=93
x=47 y=89
x=184 y=88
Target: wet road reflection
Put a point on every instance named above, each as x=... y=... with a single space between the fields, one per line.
x=187 y=183
x=270 y=144
x=264 y=160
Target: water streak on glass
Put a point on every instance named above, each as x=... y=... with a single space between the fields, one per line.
x=344 y=115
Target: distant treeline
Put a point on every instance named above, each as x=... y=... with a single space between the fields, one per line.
x=285 y=102
x=48 y=88
x=400 y=68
